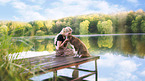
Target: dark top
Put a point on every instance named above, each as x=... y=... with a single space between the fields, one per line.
x=60 y=38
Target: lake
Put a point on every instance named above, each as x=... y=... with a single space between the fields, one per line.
x=122 y=56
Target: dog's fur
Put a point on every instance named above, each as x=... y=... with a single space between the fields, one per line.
x=79 y=46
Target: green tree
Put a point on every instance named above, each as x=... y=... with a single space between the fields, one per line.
x=115 y=21
x=136 y=24
x=36 y=26
x=40 y=33
x=48 y=24
x=93 y=21
x=84 y=26
x=58 y=26
x=28 y=29
x=75 y=25
x=143 y=26
x=3 y=30
x=17 y=28
x=105 y=27
x=121 y=18
x=129 y=19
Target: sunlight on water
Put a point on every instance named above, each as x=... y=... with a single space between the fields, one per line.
x=29 y=54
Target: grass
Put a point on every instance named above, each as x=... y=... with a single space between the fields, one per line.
x=12 y=70
x=9 y=70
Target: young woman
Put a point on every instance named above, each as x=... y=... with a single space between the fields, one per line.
x=61 y=42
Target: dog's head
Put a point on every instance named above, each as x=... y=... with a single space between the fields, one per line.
x=71 y=38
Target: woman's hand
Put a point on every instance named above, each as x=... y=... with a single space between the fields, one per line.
x=66 y=40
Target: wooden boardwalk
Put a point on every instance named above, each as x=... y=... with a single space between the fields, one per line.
x=44 y=64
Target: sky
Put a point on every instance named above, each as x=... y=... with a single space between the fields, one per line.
x=30 y=10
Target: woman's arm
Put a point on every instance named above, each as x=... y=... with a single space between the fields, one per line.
x=60 y=44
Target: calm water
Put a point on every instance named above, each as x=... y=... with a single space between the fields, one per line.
x=122 y=57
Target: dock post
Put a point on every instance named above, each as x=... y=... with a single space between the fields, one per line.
x=55 y=75
x=75 y=73
x=96 y=71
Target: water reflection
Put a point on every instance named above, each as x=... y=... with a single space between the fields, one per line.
x=122 y=57
x=128 y=45
x=119 y=68
x=105 y=41
x=86 y=41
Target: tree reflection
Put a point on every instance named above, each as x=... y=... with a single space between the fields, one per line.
x=126 y=45
x=50 y=46
x=85 y=40
x=105 y=41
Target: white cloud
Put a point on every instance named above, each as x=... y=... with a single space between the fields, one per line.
x=105 y=79
x=126 y=70
x=63 y=8
x=66 y=8
x=142 y=73
x=133 y=1
x=23 y=6
x=31 y=15
x=122 y=68
x=19 y=5
x=128 y=65
x=15 y=18
x=105 y=7
x=4 y=1
x=27 y=12
x=37 y=1
x=109 y=60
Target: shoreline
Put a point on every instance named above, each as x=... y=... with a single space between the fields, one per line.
x=52 y=36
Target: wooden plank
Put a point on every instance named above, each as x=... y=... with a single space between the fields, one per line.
x=59 y=64
x=51 y=63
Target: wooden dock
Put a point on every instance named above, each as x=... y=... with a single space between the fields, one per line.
x=44 y=64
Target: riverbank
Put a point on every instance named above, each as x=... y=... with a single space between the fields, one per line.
x=52 y=36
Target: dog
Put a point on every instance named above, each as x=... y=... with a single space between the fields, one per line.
x=79 y=46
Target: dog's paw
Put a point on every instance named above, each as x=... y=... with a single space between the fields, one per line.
x=80 y=56
x=83 y=56
x=76 y=56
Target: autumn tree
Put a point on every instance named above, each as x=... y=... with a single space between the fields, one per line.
x=84 y=26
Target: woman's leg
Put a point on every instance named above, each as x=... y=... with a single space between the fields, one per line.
x=60 y=52
x=68 y=52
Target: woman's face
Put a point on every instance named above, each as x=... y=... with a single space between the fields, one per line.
x=68 y=33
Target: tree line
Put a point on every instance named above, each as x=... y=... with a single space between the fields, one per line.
x=123 y=22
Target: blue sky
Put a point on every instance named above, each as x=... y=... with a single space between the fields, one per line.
x=29 y=10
